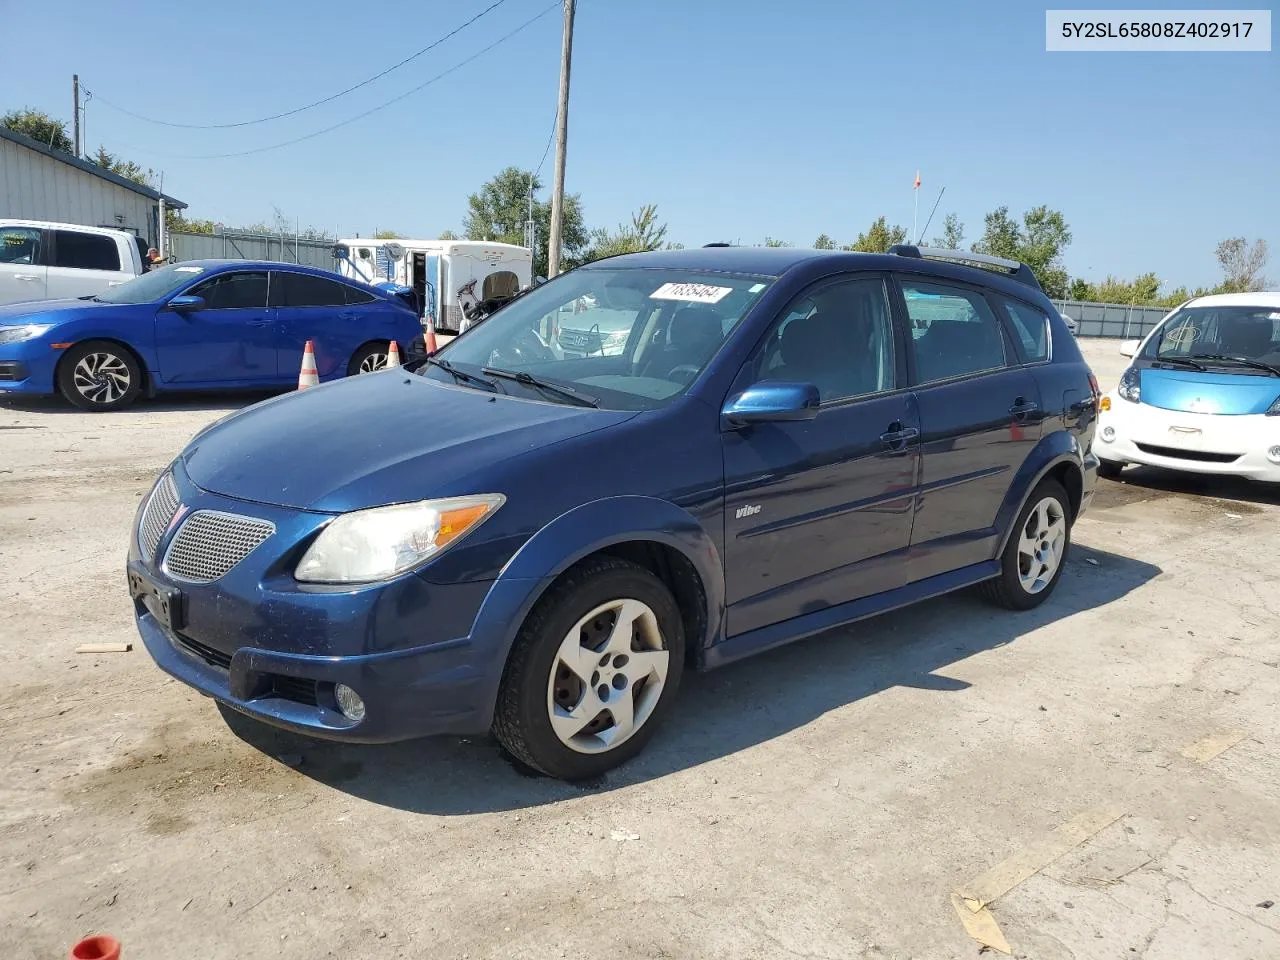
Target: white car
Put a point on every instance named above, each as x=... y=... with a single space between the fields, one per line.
x=40 y=260
x=1202 y=393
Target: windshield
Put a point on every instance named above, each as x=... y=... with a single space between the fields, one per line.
x=153 y=286
x=1245 y=332
x=628 y=339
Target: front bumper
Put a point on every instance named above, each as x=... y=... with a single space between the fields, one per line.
x=27 y=368
x=425 y=658
x=1193 y=442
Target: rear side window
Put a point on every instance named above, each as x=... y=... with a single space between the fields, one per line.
x=953 y=331
x=304 y=290
x=85 y=251
x=1031 y=325
x=357 y=296
x=234 y=291
x=19 y=245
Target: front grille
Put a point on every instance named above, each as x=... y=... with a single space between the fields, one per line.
x=215 y=658
x=157 y=515
x=12 y=371
x=579 y=339
x=297 y=689
x=209 y=543
x=1174 y=453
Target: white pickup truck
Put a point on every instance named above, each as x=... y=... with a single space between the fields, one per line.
x=57 y=261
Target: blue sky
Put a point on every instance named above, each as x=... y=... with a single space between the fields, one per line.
x=740 y=118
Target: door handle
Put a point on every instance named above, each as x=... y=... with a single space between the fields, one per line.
x=25 y=276
x=1022 y=406
x=898 y=436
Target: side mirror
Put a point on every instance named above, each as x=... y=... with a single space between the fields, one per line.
x=1129 y=347
x=186 y=304
x=772 y=401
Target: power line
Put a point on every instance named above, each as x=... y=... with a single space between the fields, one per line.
x=382 y=106
x=316 y=103
x=547 y=149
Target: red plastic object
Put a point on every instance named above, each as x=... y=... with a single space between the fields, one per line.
x=96 y=948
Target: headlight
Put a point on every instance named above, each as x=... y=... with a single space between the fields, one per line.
x=1274 y=409
x=371 y=545
x=1129 y=387
x=28 y=331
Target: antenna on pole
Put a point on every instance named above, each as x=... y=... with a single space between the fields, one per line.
x=920 y=238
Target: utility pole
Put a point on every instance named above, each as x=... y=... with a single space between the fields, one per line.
x=562 y=138
x=75 y=108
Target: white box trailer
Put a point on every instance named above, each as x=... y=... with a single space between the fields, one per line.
x=443 y=273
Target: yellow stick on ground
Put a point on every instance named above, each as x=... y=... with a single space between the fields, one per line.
x=1037 y=855
x=1202 y=751
x=981 y=925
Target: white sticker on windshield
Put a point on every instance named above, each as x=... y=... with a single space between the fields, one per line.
x=693 y=292
x=188 y=269
x=755 y=288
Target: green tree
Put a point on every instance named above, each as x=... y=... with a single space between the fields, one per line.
x=1038 y=241
x=174 y=221
x=39 y=126
x=1242 y=265
x=878 y=238
x=771 y=242
x=449 y=235
x=952 y=233
x=386 y=235
x=498 y=210
x=644 y=232
x=125 y=168
x=824 y=243
x=1081 y=290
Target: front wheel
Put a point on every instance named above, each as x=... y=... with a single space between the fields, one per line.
x=1036 y=553
x=99 y=376
x=592 y=671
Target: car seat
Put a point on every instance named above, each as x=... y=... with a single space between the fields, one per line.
x=694 y=336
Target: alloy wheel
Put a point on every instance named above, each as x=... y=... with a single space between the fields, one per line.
x=1041 y=543
x=102 y=378
x=373 y=362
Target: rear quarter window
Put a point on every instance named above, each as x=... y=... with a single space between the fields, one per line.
x=1031 y=326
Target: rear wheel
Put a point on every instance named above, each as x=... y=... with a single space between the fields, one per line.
x=100 y=376
x=1036 y=553
x=370 y=358
x=592 y=671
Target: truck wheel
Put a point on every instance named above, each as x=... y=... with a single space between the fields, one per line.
x=369 y=359
x=592 y=671
x=99 y=376
x=1036 y=553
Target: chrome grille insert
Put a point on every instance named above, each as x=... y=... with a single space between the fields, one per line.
x=209 y=543
x=157 y=515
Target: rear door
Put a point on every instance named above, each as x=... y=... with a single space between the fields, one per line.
x=315 y=308
x=232 y=341
x=980 y=416
x=84 y=264
x=23 y=274
x=818 y=512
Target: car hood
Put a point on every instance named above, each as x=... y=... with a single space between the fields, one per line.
x=45 y=311
x=376 y=439
x=1231 y=394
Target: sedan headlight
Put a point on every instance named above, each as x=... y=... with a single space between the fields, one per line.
x=28 y=331
x=371 y=545
x=1130 y=386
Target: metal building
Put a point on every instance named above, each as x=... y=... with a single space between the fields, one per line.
x=38 y=183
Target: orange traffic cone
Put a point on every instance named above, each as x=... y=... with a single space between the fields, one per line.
x=431 y=338
x=308 y=376
x=393 y=355
x=96 y=948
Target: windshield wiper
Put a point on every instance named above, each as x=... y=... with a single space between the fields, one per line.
x=520 y=376
x=457 y=374
x=1185 y=361
x=1243 y=361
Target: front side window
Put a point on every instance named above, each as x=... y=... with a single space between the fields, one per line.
x=234 y=291
x=953 y=331
x=1031 y=325
x=85 y=251
x=1209 y=334
x=304 y=290
x=839 y=338
x=630 y=339
x=19 y=245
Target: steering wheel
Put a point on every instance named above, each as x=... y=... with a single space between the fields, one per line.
x=525 y=348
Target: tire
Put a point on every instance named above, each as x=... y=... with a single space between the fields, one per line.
x=1031 y=564
x=584 y=606
x=99 y=376
x=1109 y=469
x=369 y=359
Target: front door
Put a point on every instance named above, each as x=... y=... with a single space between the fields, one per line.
x=232 y=341
x=818 y=512
x=980 y=418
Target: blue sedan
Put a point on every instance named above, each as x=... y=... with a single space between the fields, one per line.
x=202 y=325
x=504 y=536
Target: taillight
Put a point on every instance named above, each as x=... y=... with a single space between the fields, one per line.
x=1093 y=386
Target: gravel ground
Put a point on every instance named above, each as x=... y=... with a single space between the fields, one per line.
x=1103 y=769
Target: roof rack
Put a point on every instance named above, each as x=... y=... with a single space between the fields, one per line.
x=1012 y=268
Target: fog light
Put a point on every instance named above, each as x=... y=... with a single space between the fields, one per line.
x=1274 y=454
x=1108 y=434
x=349 y=702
